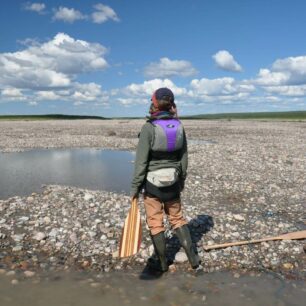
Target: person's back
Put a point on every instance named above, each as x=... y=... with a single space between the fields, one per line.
x=161 y=169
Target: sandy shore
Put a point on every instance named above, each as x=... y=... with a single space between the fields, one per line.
x=246 y=180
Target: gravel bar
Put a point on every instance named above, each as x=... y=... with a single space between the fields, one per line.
x=246 y=180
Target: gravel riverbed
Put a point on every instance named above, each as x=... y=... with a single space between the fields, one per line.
x=246 y=180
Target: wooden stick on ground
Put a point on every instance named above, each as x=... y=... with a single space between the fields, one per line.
x=289 y=236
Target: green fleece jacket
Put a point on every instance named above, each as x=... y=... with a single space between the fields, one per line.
x=145 y=163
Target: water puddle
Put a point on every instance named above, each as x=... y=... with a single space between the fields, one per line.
x=24 y=172
x=121 y=288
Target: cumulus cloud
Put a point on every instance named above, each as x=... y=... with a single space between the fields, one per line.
x=287 y=71
x=219 y=87
x=48 y=71
x=35 y=7
x=103 y=13
x=148 y=87
x=53 y=64
x=69 y=15
x=226 y=61
x=167 y=68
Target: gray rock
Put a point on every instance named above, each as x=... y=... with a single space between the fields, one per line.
x=181 y=257
x=39 y=236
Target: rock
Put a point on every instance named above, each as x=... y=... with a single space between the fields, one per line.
x=181 y=257
x=53 y=233
x=172 y=268
x=29 y=273
x=288 y=266
x=47 y=220
x=18 y=238
x=30 y=200
x=40 y=236
x=239 y=218
x=2 y=236
x=88 y=197
x=17 y=248
x=14 y=282
x=10 y=273
x=73 y=237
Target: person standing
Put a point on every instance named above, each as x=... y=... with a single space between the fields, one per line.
x=161 y=170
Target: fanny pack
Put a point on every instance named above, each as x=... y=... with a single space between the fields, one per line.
x=163 y=177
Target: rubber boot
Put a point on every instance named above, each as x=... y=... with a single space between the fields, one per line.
x=159 y=243
x=184 y=237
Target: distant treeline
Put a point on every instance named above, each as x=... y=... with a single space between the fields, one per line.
x=294 y=115
x=48 y=117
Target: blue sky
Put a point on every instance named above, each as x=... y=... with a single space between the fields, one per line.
x=106 y=58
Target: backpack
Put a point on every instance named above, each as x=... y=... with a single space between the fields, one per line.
x=168 y=135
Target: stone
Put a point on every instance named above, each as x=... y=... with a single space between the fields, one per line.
x=14 y=282
x=40 y=236
x=181 y=257
x=88 y=197
x=18 y=238
x=17 y=248
x=239 y=218
x=29 y=273
x=288 y=266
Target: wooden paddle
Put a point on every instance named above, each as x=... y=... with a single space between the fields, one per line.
x=131 y=232
x=289 y=236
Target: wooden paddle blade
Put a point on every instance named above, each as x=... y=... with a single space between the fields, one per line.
x=294 y=235
x=131 y=232
x=288 y=236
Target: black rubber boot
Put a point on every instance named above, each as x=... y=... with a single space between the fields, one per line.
x=159 y=243
x=184 y=237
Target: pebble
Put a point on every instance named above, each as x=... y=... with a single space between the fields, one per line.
x=29 y=273
x=40 y=236
x=181 y=257
x=239 y=218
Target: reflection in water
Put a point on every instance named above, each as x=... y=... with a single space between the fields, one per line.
x=25 y=172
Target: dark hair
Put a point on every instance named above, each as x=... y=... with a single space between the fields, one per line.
x=165 y=104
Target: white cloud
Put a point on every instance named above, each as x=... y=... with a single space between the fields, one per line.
x=103 y=13
x=11 y=92
x=287 y=71
x=219 y=87
x=226 y=61
x=290 y=91
x=54 y=64
x=168 y=68
x=69 y=15
x=35 y=7
x=147 y=88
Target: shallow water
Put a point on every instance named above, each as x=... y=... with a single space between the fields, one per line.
x=24 y=172
x=119 y=288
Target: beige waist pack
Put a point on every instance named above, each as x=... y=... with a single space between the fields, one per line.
x=163 y=177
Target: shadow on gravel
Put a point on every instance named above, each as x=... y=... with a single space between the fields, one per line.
x=198 y=227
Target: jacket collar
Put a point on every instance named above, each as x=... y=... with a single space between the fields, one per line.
x=160 y=115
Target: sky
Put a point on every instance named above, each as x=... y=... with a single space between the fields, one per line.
x=107 y=58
